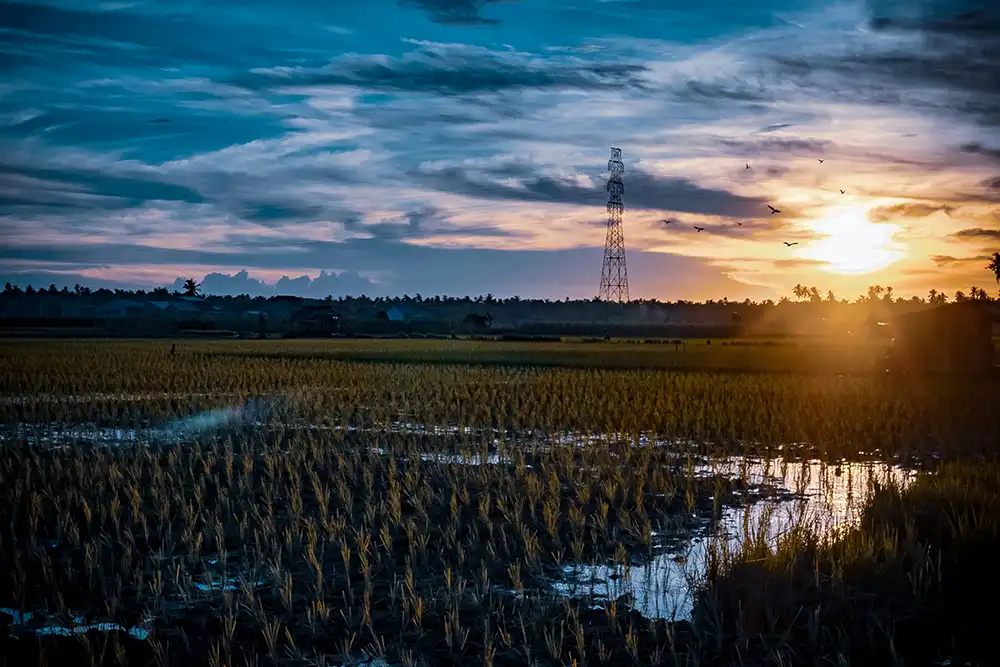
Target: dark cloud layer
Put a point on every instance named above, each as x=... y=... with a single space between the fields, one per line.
x=43 y=188
x=456 y=12
x=40 y=34
x=451 y=69
x=979 y=149
x=642 y=191
x=979 y=233
x=789 y=145
x=422 y=222
x=948 y=260
x=958 y=58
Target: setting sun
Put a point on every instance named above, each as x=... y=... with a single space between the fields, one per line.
x=853 y=244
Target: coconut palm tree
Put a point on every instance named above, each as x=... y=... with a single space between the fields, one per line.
x=191 y=287
x=994 y=265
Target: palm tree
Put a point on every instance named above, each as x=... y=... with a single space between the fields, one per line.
x=191 y=287
x=800 y=292
x=994 y=265
x=937 y=298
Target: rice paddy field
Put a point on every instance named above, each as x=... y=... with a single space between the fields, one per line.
x=387 y=503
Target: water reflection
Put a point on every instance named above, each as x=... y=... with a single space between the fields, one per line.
x=784 y=495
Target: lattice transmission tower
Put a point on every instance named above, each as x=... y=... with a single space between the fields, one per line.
x=614 y=272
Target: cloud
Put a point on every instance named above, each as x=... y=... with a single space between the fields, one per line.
x=36 y=32
x=455 y=12
x=978 y=233
x=451 y=69
x=792 y=145
x=774 y=128
x=948 y=260
x=643 y=190
x=283 y=212
x=733 y=91
x=887 y=213
x=41 y=189
x=979 y=149
x=930 y=58
x=325 y=284
x=423 y=221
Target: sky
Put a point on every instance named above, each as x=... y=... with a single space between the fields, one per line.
x=461 y=146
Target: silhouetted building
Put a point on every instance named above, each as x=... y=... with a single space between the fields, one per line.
x=255 y=321
x=314 y=321
x=954 y=338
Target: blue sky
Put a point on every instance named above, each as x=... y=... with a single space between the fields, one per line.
x=460 y=146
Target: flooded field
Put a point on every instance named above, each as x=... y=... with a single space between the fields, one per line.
x=229 y=510
x=770 y=498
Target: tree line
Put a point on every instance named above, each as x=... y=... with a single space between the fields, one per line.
x=812 y=294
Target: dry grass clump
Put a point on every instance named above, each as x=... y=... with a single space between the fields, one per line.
x=900 y=588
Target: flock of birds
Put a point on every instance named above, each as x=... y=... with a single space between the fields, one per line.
x=774 y=211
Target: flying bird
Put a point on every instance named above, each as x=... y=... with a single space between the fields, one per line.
x=739 y=222
x=820 y=161
x=700 y=229
x=773 y=210
x=842 y=192
x=666 y=222
x=790 y=244
x=748 y=166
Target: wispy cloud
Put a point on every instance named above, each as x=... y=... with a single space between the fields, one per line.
x=451 y=69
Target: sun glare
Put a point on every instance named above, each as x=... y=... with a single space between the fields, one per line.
x=852 y=244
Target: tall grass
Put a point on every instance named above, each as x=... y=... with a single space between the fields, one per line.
x=903 y=587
